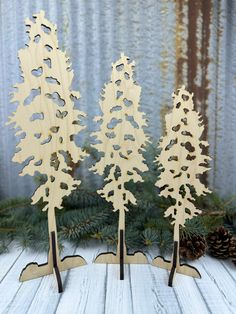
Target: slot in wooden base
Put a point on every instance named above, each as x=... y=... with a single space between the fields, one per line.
x=175 y=267
x=54 y=266
x=121 y=257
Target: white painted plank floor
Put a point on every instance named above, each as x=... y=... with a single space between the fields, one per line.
x=96 y=289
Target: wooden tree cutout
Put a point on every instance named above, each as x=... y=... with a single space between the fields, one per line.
x=121 y=139
x=182 y=162
x=47 y=121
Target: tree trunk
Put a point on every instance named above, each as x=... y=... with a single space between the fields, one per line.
x=52 y=228
x=121 y=226
x=176 y=239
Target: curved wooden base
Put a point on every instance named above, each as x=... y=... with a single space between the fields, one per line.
x=121 y=257
x=34 y=270
x=54 y=265
x=112 y=258
x=179 y=268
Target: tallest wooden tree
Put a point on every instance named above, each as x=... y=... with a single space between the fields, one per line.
x=47 y=122
x=182 y=160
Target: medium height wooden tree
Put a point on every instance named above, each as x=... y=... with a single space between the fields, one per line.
x=47 y=122
x=182 y=160
x=121 y=139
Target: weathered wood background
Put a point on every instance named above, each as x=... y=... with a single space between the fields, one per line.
x=173 y=42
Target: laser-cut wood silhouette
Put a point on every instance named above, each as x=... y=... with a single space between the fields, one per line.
x=182 y=161
x=47 y=121
x=121 y=138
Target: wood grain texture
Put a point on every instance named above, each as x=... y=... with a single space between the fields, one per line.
x=8 y=259
x=10 y=284
x=25 y=293
x=224 y=282
x=95 y=290
x=182 y=161
x=121 y=139
x=214 y=298
x=46 y=121
x=118 y=292
x=151 y=286
x=85 y=287
x=47 y=291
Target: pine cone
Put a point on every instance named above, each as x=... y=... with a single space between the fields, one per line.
x=218 y=242
x=232 y=250
x=192 y=248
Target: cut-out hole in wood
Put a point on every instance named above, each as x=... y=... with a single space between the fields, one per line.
x=118 y=82
x=33 y=93
x=126 y=75
x=37 y=72
x=110 y=134
x=127 y=102
x=61 y=114
x=37 y=116
x=48 y=48
x=38 y=135
x=184 y=120
x=132 y=121
x=46 y=29
x=189 y=147
x=129 y=137
x=46 y=140
x=54 y=129
x=37 y=38
x=52 y=80
x=171 y=144
x=186 y=133
x=176 y=128
x=38 y=163
x=119 y=94
x=116 y=108
x=56 y=98
x=113 y=123
x=48 y=62
x=185 y=97
x=120 y=67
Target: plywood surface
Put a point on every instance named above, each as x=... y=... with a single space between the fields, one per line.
x=183 y=160
x=120 y=140
x=46 y=122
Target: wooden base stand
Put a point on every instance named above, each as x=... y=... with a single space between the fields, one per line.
x=175 y=267
x=55 y=265
x=121 y=257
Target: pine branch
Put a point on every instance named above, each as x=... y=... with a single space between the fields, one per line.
x=109 y=235
x=192 y=227
x=13 y=203
x=77 y=224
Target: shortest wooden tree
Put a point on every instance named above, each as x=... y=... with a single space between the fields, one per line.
x=121 y=140
x=182 y=161
x=47 y=121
